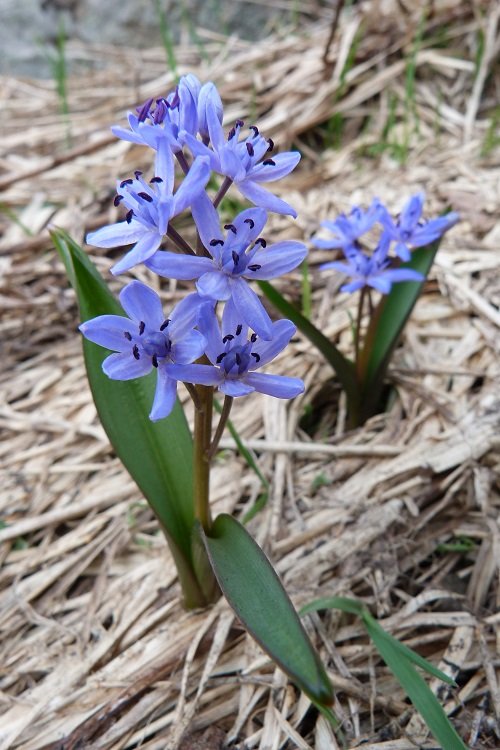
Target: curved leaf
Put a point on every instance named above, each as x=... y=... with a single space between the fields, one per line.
x=254 y=591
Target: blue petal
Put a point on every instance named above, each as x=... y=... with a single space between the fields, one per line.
x=114 y=235
x=124 y=366
x=250 y=308
x=108 y=331
x=207 y=223
x=192 y=185
x=214 y=284
x=144 y=249
x=411 y=212
x=403 y=274
x=232 y=321
x=140 y=302
x=234 y=388
x=353 y=286
x=402 y=251
x=196 y=374
x=283 y=330
x=178 y=266
x=283 y=164
x=165 y=394
x=208 y=97
x=184 y=316
x=279 y=386
x=262 y=197
x=209 y=326
x=277 y=259
x=381 y=283
x=249 y=224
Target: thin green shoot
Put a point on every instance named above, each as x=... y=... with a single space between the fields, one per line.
x=7 y=211
x=335 y=125
x=306 y=290
x=187 y=20
x=492 y=136
x=59 y=67
x=166 y=39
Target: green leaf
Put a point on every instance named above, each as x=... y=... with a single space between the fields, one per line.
x=342 y=366
x=157 y=455
x=385 y=328
x=400 y=659
x=255 y=592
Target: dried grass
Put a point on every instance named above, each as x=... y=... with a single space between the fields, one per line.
x=96 y=650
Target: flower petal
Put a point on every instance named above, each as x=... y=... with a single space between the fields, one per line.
x=250 y=308
x=197 y=374
x=234 y=388
x=279 y=386
x=114 y=235
x=189 y=348
x=144 y=249
x=283 y=164
x=209 y=326
x=124 y=366
x=178 y=266
x=277 y=259
x=108 y=331
x=192 y=185
x=165 y=394
x=263 y=198
x=283 y=330
x=207 y=223
x=140 y=302
x=214 y=285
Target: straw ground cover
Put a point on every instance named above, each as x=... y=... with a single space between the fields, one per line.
x=96 y=650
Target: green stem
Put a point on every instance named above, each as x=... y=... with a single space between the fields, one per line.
x=179 y=241
x=228 y=402
x=202 y=440
x=222 y=191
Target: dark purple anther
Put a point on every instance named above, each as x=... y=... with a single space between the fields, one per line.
x=220 y=357
x=154 y=360
x=146 y=197
x=251 y=222
x=255 y=130
x=253 y=338
x=235 y=257
x=129 y=216
x=156 y=180
x=160 y=111
x=135 y=352
x=257 y=356
x=254 y=267
x=227 y=337
x=238 y=359
x=117 y=200
x=142 y=326
x=213 y=243
x=230 y=227
x=138 y=174
x=249 y=148
x=127 y=335
x=269 y=162
x=129 y=181
x=143 y=112
x=261 y=241
x=239 y=329
x=231 y=134
x=271 y=144
x=239 y=123
x=164 y=324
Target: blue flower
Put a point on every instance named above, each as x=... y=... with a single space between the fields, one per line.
x=150 y=208
x=146 y=339
x=245 y=162
x=346 y=230
x=238 y=256
x=411 y=230
x=373 y=271
x=235 y=357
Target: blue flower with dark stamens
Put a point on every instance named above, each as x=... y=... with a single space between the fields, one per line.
x=373 y=271
x=150 y=208
x=411 y=231
x=146 y=339
x=247 y=162
x=346 y=230
x=238 y=256
x=235 y=357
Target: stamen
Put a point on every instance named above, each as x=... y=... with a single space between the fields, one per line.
x=235 y=257
x=231 y=134
x=254 y=267
x=257 y=356
x=261 y=241
x=117 y=200
x=271 y=144
x=238 y=359
x=142 y=326
x=127 y=335
x=129 y=181
x=269 y=162
x=146 y=197
x=221 y=357
x=137 y=173
x=249 y=148
x=213 y=243
x=227 y=337
x=154 y=360
x=156 y=179
x=250 y=222
x=255 y=130
x=129 y=216
x=143 y=112
x=230 y=227
x=160 y=111
x=239 y=329
x=253 y=338
x=164 y=324
x=239 y=123
x=135 y=352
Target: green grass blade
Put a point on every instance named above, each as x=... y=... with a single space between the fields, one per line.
x=157 y=455
x=254 y=591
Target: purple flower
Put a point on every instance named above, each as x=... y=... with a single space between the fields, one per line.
x=245 y=162
x=374 y=271
x=411 y=230
x=346 y=230
x=146 y=339
x=238 y=256
x=235 y=357
x=150 y=208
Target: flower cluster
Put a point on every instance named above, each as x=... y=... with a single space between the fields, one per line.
x=185 y=129
x=378 y=269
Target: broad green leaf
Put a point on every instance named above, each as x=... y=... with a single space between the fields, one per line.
x=157 y=455
x=255 y=592
x=342 y=366
x=385 y=328
x=400 y=659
